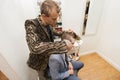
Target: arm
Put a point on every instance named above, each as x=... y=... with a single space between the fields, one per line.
x=37 y=46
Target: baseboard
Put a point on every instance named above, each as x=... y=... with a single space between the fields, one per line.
x=109 y=60
x=7 y=69
x=87 y=52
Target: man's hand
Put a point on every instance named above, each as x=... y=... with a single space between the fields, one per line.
x=69 y=44
x=71 y=71
x=70 y=65
x=76 y=53
x=69 y=30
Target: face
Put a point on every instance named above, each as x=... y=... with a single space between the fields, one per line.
x=52 y=19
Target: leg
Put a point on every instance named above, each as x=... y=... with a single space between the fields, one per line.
x=47 y=74
x=41 y=75
x=77 y=66
x=72 y=77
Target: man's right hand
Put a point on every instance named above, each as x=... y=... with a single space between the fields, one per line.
x=71 y=71
x=69 y=44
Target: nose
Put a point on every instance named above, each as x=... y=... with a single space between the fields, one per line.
x=54 y=25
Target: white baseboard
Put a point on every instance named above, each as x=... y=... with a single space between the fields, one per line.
x=109 y=61
x=87 y=52
x=7 y=69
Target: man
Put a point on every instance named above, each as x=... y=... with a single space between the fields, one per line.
x=39 y=37
x=60 y=70
x=61 y=67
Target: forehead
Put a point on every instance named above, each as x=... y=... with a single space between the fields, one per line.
x=54 y=13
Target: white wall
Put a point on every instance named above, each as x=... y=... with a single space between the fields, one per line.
x=94 y=15
x=73 y=14
x=109 y=45
x=7 y=70
x=106 y=41
x=91 y=37
x=13 y=14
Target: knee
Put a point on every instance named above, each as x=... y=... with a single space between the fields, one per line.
x=81 y=65
x=72 y=77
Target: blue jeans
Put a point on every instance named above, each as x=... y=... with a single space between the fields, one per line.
x=72 y=77
x=76 y=66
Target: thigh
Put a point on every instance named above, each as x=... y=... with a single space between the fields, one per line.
x=41 y=75
x=72 y=77
x=77 y=65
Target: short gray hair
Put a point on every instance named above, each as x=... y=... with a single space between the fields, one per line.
x=47 y=6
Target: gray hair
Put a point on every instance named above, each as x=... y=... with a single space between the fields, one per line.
x=47 y=6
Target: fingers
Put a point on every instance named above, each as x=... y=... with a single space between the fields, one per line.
x=70 y=30
x=71 y=71
x=69 y=44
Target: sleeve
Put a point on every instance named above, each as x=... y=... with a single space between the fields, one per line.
x=54 y=66
x=37 y=46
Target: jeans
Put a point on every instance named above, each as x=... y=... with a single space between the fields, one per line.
x=76 y=66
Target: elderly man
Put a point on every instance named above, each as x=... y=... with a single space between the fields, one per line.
x=39 y=37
